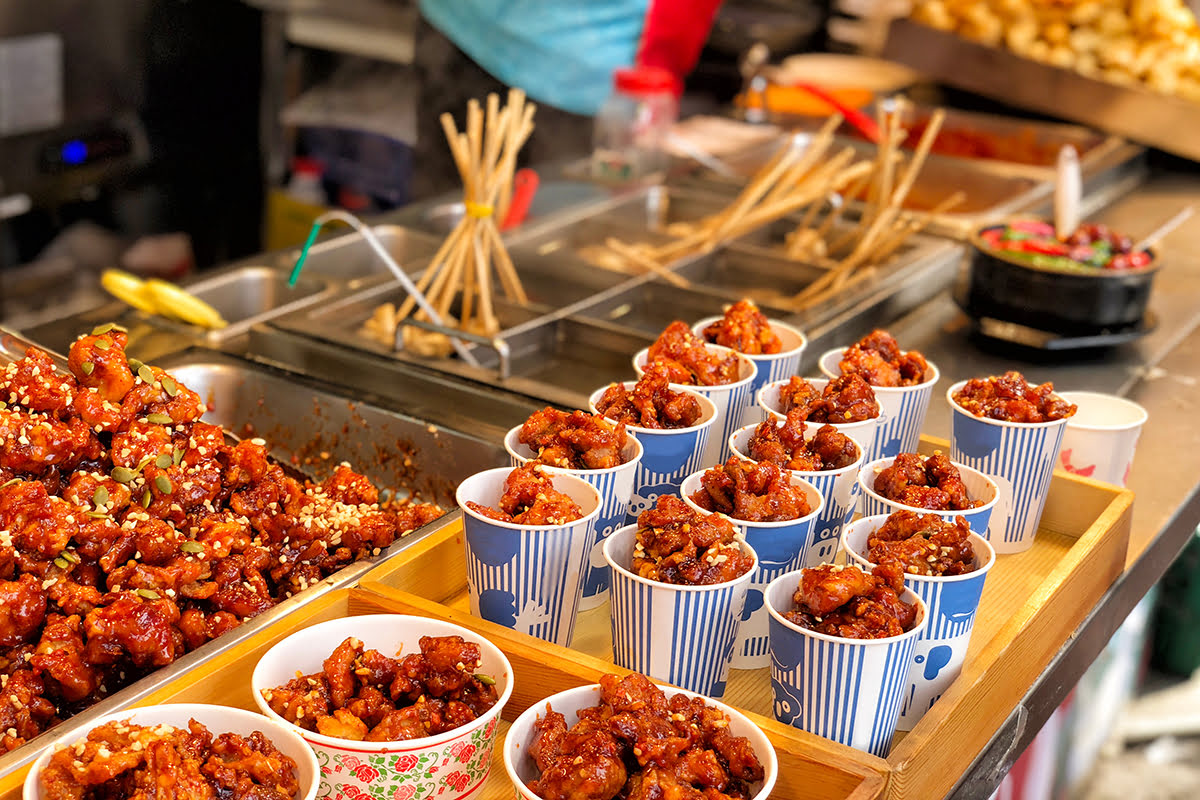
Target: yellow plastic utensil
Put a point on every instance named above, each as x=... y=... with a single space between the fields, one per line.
x=156 y=296
x=129 y=289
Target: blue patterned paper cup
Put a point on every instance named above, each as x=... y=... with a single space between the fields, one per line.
x=862 y=432
x=729 y=399
x=680 y=634
x=526 y=577
x=838 y=488
x=668 y=456
x=979 y=487
x=901 y=409
x=1019 y=457
x=952 y=600
x=771 y=366
x=847 y=690
x=615 y=486
x=780 y=548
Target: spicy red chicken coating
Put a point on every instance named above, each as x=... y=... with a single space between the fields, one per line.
x=365 y=695
x=651 y=404
x=574 y=440
x=638 y=744
x=131 y=532
x=923 y=544
x=686 y=358
x=745 y=329
x=783 y=444
x=121 y=759
x=529 y=498
x=844 y=601
x=879 y=361
x=932 y=483
x=752 y=492
x=677 y=544
x=847 y=398
x=1011 y=398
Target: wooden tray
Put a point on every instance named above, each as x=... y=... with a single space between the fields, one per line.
x=1032 y=603
x=809 y=766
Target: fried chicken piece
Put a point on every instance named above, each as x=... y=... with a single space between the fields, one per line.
x=745 y=329
x=574 y=440
x=878 y=360
x=688 y=360
x=1011 y=398
x=923 y=544
x=847 y=602
x=755 y=492
x=22 y=610
x=651 y=404
x=98 y=362
x=848 y=398
x=529 y=498
x=676 y=544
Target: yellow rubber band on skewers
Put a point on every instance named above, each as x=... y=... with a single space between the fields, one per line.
x=479 y=210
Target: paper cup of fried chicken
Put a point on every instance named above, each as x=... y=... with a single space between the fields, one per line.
x=774 y=347
x=679 y=585
x=823 y=456
x=392 y=705
x=775 y=511
x=928 y=485
x=842 y=641
x=722 y=375
x=556 y=749
x=945 y=563
x=1012 y=431
x=672 y=425
x=847 y=403
x=199 y=750
x=903 y=383
x=527 y=532
x=588 y=446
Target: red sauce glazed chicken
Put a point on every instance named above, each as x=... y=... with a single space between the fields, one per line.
x=844 y=601
x=1011 y=398
x=745 y=329
x=121 y=759
x=751 y=492
x=932 y=483
x=923 y=544
x=879 y=361
x=847 y=398
x=639 y=745
x=574 y=440
x=784 y=445
x=687 y=360
x=677 y=544
x=529 y=498
x=652 y=403
x=366 y=696
x=131 y=532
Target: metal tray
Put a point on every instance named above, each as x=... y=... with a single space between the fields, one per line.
x=349 y=258
x=314 y=426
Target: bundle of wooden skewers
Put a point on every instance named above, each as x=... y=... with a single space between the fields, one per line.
x=462 y=269
x=800 y=179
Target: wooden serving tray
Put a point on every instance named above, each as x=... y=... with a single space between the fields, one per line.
x=1032 y=603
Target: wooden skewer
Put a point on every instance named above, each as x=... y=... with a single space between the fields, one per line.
x=642 y=260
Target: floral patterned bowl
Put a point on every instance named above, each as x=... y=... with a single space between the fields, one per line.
x=448 y=766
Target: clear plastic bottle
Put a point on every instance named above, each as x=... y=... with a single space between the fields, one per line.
x=631 y=129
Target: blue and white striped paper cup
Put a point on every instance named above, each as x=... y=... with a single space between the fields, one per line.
x=680 y=634
x=1019 y=457
x=847 y=690
x=729 y=399
x=838 y=488
x=901 y=409
x=526 y=577
x=952 y=601
x=979 y=487
x=862 y=432
x=668 y=455
x=771 y=366
x=615 y=485
x=780 y=548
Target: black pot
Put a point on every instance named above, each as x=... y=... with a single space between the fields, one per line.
x=1073 y=303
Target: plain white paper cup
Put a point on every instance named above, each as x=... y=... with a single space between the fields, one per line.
x=521 y=768
x=771 y=366
x=901 y=408
x=352 y=768
x=979 y=487
x=526 y=577
x=952 y=600
x=615 y=485
x=847 y=690
x=1100 y=440
x=862 y=431
x=730 y=399
x=218 y=720
x=780 y=547
x=679 y=634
